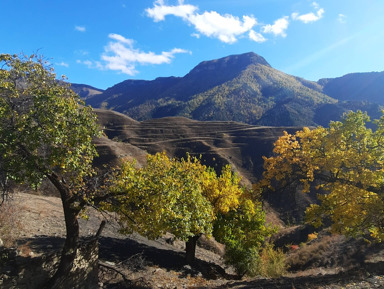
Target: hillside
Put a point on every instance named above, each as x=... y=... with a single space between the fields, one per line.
x=242 y=88
x=356 y=87
x=328 y=262
x=218 y=142
x=85 y=91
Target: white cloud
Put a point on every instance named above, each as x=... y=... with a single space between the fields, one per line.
x=309 y=17
x=64 y=64
x=80 y=28
x=342 y=18
x=227 y=28
x=315 y=5
x=196 y=35
x=160 y=10
x=121 y=39
x=91 y=64
x=120 y=55
x=257 y=37
x=224 y=27
x=278 y=28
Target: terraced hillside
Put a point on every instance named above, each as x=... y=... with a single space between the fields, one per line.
x=218 y=143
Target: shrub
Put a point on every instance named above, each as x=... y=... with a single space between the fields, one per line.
x=245 y=261
x=10 y=223
x=272 y=262
x=243 y=231
x=253 y=261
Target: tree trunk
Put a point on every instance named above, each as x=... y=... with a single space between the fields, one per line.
x=69 y=251
x=190 y=249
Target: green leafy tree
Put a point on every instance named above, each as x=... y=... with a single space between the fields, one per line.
x=169 y=195
x=243 y=231
x=346 y=163
x=46 y=132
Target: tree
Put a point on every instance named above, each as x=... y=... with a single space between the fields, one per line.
x=46 y=132
x=169 y=195
x=243 y=231
x=344 y=163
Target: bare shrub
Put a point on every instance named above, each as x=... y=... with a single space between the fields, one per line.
x=322 y=252
x=10 y=224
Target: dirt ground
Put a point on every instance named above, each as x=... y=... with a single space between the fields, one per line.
x=135 y=262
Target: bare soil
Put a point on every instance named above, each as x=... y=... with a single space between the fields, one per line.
x=136 y=262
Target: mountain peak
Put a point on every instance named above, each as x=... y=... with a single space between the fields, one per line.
x=246 y=58
x=234 y=62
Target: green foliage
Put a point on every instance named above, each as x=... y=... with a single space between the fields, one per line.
x=187 y=199
x=46 y=132
x=345 y=161
x=243 y=231
x=166 y=195
x=43 y=125
x=246 y=261
x=169 y=195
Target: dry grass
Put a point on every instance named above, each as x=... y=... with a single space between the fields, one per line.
x=328 y=251
x=315 y=254
x=273 y=262
x=10 y=224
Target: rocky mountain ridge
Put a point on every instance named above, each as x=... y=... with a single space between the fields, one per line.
x=243 y=88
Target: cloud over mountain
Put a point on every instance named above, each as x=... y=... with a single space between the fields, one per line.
x=278 y=28
x=121 y=55
x=227 y=28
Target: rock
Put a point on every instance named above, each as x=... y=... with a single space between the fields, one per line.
x=187 y=267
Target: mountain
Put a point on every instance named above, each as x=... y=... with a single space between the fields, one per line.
x=85 y=91
x=367 y=86
x=243 y=88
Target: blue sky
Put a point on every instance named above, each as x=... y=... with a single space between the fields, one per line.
x=102 y=43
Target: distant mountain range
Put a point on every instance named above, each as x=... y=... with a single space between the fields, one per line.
x=243 y=88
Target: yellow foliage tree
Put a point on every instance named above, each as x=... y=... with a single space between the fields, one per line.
x=182 y=197
x=346 y=162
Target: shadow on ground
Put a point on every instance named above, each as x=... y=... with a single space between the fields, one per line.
x=307 y=282
x=119 y=250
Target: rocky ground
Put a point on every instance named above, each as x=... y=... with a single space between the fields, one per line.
x=135 y=262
